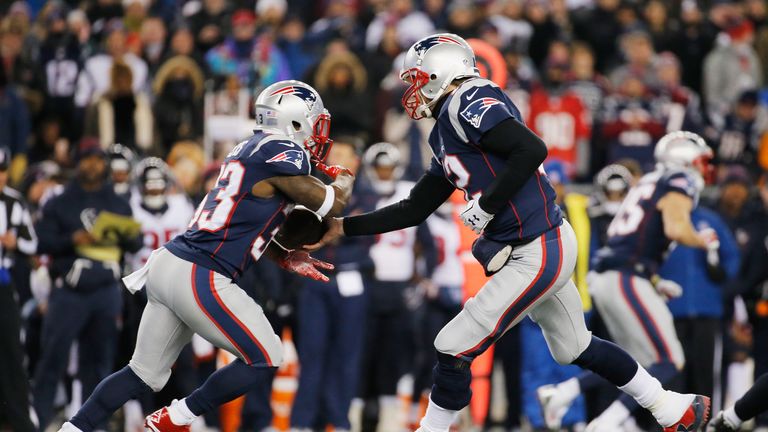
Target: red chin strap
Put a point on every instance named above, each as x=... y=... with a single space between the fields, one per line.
x=706 y=169
x=322 y=144
x=412 y=99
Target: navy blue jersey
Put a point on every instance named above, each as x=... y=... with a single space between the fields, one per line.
x=232 y=227
x=636 y=240
x=473 y=109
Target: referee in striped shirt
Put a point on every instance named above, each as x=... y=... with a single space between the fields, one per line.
x=17 y=240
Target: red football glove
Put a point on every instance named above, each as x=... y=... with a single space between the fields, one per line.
x=302 y=264
x=332 y=171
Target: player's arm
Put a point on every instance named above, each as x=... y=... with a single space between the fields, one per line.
x=675 y=208
x=325 y=200
x=426 y=196
x=524 y=153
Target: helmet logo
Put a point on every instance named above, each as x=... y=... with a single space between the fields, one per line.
x=475 y=111
x=422 y=46
x=307 y=95
x=295 y=157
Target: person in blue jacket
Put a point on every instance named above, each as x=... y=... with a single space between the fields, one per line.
x=698 y=311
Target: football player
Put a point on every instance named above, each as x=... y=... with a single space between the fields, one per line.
x=191 y=281
x=481 y=146
x=655 y=212
x=162 y=214
x=389 y=321
x=121 y=160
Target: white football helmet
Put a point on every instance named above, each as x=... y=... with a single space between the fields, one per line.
x=685 y=150
x=430 y=66
x=387 y=155
x=295 y=109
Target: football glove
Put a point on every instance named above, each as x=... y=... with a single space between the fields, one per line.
x=299 y=262
x=474 y=217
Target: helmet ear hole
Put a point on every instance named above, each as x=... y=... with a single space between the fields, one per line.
x=296 y=125
x=433 y=77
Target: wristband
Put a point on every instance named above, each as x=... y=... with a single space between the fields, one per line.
x=330 y=197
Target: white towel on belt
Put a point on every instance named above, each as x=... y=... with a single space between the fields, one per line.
x=135 y=281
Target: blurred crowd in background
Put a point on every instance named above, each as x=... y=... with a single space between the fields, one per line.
x=599 y=80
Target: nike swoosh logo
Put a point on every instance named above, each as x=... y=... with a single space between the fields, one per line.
x=470 y=96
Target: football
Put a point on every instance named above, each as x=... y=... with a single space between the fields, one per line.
x=301 y=227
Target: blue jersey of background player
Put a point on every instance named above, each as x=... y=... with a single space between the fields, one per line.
x=636 y=239
x=476 y=107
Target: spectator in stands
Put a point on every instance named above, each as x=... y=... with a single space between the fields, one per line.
x=679 y=104
x=60 y=64
x=599 y=27
x=121 y=115
x=742 y=133
x=86 y=304
x=545 y=31
x=339 y=21
x=183 y=44
x=729 y=69
x=210 y=25
x=14 y=118
x=49 y=144
x=95 y=79
x=20 y=69
x=153 y=43
x=557 y=114
x=293 y=41
x=178 y=107
x=699 y=311
x=256 y=61
x=637 y=48
x=271 y=12
x=410 y=23
x=631 y=123
x=514 y=31
x=463 y=18
x=692 y=43
x=342 y=82
x=660 y=27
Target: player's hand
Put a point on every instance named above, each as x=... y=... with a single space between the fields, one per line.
x=709 y=238
x=302 y=264
x=335 y=229
x=668 y=289
x=8 y=240
x=475 y=217
x=332 y=171
x=82 y=237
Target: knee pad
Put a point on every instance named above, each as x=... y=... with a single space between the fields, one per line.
x=155 y=380
x=452 y=378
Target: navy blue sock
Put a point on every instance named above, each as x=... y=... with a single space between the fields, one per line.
x=589 y=380
x=664 y=372
x=452 y=379
x=227 y=383
x=609 y=361
x=109 y=395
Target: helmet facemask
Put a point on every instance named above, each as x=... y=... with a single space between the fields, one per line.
x=703 y=165
x=318 y=143
x=413 y=100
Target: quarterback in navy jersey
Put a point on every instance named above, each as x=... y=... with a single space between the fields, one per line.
x=481 y=146
x=190 y=282
x=630 y=297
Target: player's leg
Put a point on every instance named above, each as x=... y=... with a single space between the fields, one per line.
x=222 y=313
x=754 y=402
x=647 y=328
x=562 y=321
x=530 y=276
x=611 y=296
